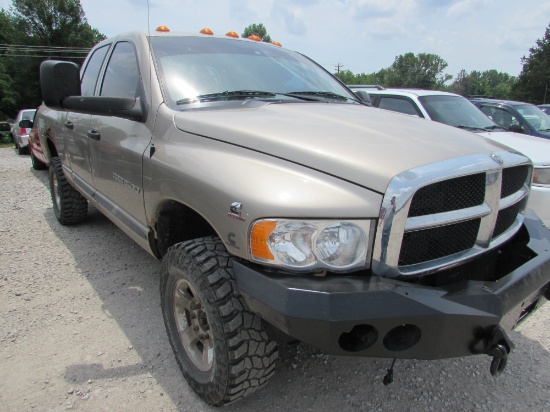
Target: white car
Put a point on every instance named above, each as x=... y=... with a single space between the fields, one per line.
x=21 y=134
x=455 y=110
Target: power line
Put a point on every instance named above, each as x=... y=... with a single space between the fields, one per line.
x=42 y=47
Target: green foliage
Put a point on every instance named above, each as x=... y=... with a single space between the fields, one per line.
x=424 y=71
x=37 y=23
x=490 y=83
x=259 y=30
x=534 y=80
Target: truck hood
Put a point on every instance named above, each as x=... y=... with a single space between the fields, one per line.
x=536 y=148
x=357 y=143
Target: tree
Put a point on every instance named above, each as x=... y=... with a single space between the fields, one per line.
x=490 y=83
x=55 y=22
x=534 y=79
x=424 y=71
x=257 y=29
x=38 y=25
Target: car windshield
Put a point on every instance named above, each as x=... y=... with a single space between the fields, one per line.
x=536 y=118
x=457 y=111
x=195 y=69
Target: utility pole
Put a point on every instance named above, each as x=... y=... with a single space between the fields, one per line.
x=338 y=67
x=545 y=90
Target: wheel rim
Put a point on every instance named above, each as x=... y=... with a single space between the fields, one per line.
x=192 y=324
x=56 y=196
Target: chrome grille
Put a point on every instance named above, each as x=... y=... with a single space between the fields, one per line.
x=444 y=213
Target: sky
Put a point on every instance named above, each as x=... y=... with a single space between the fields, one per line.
x=363 y=36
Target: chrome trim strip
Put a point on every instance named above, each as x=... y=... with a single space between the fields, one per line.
x=446 y=218
x=513 y=199
x=394 y=221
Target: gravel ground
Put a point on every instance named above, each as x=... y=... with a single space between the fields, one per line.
x=81 y=328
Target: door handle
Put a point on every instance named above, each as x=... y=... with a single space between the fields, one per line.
x=94 y=134
x=69 y=125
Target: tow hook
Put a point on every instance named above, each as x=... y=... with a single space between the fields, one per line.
x=500 y=358
x=499 y=346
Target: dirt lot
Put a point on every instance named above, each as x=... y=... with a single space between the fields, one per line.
x=81 y=329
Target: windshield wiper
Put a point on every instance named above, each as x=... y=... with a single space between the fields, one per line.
x=236 y=94
x=494 y=127
x=329 y=95
x=463 y=126
x=241 y=94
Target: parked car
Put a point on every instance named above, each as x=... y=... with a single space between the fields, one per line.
x=21 y=134
x=5 y=132
x=458 y=111
x=516 y=117
x=545 y=108
x=38 y=157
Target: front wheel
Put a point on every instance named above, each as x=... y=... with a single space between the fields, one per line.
x=69 y=205
x=221 y=347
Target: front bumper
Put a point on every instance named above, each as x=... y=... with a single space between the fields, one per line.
x=381 y=317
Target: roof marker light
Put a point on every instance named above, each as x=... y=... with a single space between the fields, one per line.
x=207 y=31
x=255 y=37
x=163 y=29
x=276 y=43
x=232 y=34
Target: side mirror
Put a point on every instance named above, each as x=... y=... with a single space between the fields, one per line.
x=27 y=124
x=58 y=80
x=516 y=128
x=363 y=96
x=60 y=84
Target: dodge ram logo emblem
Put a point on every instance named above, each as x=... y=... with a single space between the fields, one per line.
x=497 y=158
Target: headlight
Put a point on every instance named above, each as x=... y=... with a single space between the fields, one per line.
x=308 y=245
x=541 y=176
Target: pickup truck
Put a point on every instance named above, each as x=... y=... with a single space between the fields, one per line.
x=282 y=205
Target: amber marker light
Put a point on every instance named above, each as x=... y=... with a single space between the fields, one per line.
x=207 y=31
x=232 y=34
x=276 y=43
x=163 y=29
x=255 y=37
x=258 y=239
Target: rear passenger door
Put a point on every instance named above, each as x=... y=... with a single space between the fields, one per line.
x=77 y=125
x=117 y=145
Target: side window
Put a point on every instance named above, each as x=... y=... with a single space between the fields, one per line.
x=122 y=75
x=89 y=77
x=501 y=117
x=398 y=105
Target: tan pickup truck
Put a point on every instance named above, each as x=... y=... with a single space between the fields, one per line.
x=281 y=204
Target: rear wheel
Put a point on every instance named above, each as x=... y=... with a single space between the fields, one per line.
x=221 y=347
x=69 y=205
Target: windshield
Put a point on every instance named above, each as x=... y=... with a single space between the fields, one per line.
x=456 y=111
x=536 y=118
x=193 y=67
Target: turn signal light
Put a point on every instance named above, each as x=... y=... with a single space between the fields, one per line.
x=260 y=234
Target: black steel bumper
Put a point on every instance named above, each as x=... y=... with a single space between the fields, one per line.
x=379 y=317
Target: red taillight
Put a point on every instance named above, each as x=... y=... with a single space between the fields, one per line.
x=22 y=131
